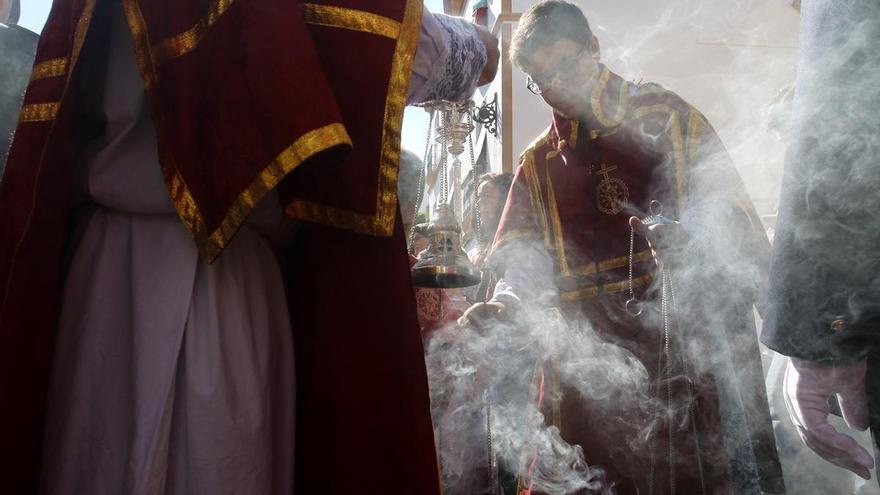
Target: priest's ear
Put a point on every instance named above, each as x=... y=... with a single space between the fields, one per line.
x=595 y=51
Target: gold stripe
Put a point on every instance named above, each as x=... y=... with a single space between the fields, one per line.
x=694 y=133
x=355 y=20
x=382 y=223
x=79 y=36
x=188 y=40
x=303 y=148
x=596 y=100
x=611 y=288
x=641 y=112
x=557 y=226
x=612 y=263
x=678 y=158
x=535 y=194
x=39 y=112
x=678 y=153
x=55 y=67
x=211 y=244
x=624 y=260
x=573 y=136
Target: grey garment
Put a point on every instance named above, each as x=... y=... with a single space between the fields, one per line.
x=826 y=265
x=17 y=49
x=449 y=60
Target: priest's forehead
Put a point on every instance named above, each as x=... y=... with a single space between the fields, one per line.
x=545 y=23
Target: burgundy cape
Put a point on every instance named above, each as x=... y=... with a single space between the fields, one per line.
x=245 y=97
x=574 y=191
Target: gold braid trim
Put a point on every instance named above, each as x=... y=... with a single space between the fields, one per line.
x=382 y=222
x=39 y=112
x=355 y=20
x=612 y=288
x=55 y=67
x=188 y=40
x=211 y=244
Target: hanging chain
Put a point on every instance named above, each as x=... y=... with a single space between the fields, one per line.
x=475 y=200
x=420 y=196
x=632 y=235
x=666 y=284
x=445 y=121
x=490 y=449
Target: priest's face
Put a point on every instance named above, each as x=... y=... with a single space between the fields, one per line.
x=563 y=72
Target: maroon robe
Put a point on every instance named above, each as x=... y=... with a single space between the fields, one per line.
x=245 y=97
x=574 y=191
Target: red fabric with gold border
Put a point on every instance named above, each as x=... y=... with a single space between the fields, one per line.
x=241 y=97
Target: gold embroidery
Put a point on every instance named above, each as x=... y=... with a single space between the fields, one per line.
x=677 y=139
x=535 y=194
x=55 y=67
x=382 y=223
x=678 y=158
x=695 y=132
x=355 y=20
x=611 y=288
x=620 y=104
x=211 y=244
x=623 y=260
x=590 y=268
x=573 y=135
x=188 y=40
x=79 y=36
x=307 y=145
x=39 y=112
x=557 y=227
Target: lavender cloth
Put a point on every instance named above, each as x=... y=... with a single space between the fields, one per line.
x=173 y=376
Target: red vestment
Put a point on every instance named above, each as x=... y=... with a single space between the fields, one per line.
x=574 y=191
x=245 y=97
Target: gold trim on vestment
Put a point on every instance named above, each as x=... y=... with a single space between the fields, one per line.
x=79 y=36
x=531 y=175
x=355 y=20
x=188 y=40
x=382 y=222
x=610 y=288
x=609 y=264
x=620 y=105
x=678 y=153
x=39 y=112
x=308 y=144
x=55 y=67
x=211 y=244
x=573 y=135
x=558 y=237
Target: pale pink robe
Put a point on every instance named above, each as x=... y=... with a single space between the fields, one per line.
x=173 y=376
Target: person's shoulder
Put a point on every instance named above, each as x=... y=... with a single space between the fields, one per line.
x=18 y=36
x=539 y=141
x=650 y=105
x=650 y=97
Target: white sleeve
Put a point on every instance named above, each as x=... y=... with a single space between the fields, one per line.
x=448 y=61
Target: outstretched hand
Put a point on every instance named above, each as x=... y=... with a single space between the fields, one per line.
x=483 y=315
x=807 y=387
x=666 y=240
